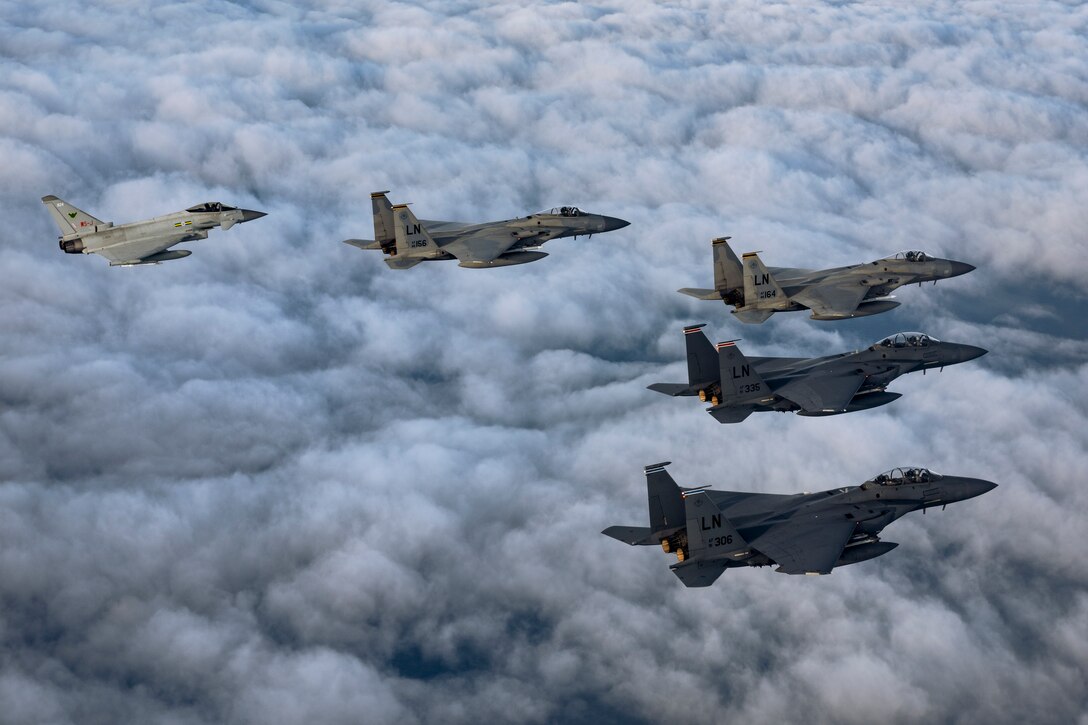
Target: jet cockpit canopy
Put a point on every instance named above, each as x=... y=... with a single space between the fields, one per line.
x=564 y=211
x=211 y=206
x=913 y=256
x=900 y=476
x=908 y=339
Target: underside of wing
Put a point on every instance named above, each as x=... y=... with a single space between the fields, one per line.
x=482 y=246
x=832 y=299
x=131 y=252
x=818 y=393
x=809 y=546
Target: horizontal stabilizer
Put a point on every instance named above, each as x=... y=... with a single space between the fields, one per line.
x=364 y=243
x=753 y=317
x=698 y=573
x=672 y=389
x=402 y=263
x=701 y=294
x=633 y=535
x=731 y=413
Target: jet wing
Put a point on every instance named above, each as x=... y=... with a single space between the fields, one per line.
x=481 y=246
x=811 y=545
x=137 y=249
x=817 y=393
x=832 y=299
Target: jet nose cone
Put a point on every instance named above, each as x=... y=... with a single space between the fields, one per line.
x=958 y=268
x=612 y=223
x=970 y=352
x=961 y=489
x=953 y=353
x=249 y=215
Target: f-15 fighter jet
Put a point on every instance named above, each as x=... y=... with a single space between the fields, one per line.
x=144 y=242
x=737 y=386
x=757 y=292
x=804 y=533
x=407 y=241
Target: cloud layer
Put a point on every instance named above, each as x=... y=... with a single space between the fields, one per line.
x=277 y=482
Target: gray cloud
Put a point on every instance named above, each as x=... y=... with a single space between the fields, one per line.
x=277 y=482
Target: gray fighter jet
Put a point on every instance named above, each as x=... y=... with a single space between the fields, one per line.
x=144 y=242
x=757 y=292
x=804 y=533
x=407 y=241
x=737 y=386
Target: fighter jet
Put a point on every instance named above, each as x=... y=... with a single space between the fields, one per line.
x=144 y=242
x=757 y=292
x=737 y=386
x=804 y=533
x=407 y=241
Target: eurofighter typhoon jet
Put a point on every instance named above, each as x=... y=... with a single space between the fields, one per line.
x=407 y=241
x=144 y=242
x=757 y=292
x=804 y=533
x=737 y=386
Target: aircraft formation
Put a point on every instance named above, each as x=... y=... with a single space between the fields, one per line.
x=709 y=531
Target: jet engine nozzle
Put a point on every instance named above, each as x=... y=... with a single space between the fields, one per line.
x=72 y=246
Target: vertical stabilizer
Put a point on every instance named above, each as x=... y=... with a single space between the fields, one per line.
x=761 y=291
x=740 y=381
x=666 y=505
x=383 y=219
x=412 y=239
x=709 y=531
x=728 y=274
x=69 y=219
x=702 y=360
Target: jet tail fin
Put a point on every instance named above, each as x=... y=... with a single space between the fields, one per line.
x=702 y=361
x=740 y=380
x=413 y=240
x=728 y=273
x=383 y=220
x=664 y=500
x=69 y=219
x=709 y=531
x=666 y=509
x=761 y=290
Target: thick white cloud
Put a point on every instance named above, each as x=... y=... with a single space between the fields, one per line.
x=277 y=481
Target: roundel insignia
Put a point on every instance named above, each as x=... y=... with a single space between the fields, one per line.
x=403 y=216
x=699 y=502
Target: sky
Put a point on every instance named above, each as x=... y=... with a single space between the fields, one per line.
x=278 y=482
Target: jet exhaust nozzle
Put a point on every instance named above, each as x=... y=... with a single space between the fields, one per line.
x=72 y=246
